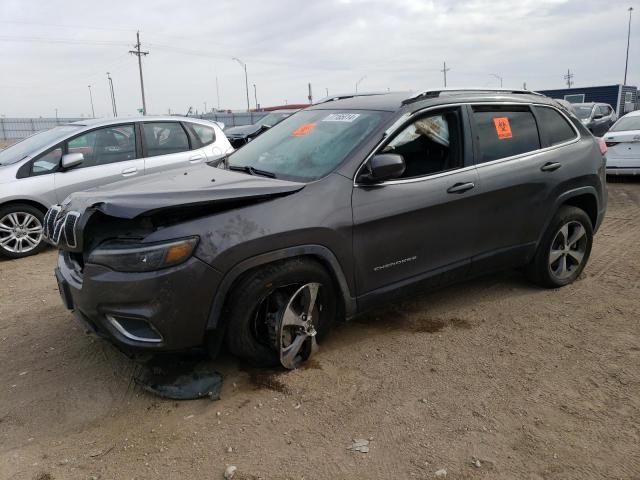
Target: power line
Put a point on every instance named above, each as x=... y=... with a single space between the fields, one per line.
x=138 y=53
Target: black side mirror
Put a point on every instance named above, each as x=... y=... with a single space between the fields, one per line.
x=381 y=167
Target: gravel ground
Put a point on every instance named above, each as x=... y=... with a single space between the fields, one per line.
x=492 y=379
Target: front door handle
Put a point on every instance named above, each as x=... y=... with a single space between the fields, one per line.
x=196 y=158
x=461 y=187
x=127 y=172
x=550 y=166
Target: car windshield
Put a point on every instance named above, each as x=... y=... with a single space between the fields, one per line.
x=309 y=144
x=627 y=124
x=34 y=143
x=582 y=111
x=273 y=118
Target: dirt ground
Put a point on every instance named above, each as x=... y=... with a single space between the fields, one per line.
x=535 y=384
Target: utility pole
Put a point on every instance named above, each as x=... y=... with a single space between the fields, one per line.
x=56 y=115
x=358 y=82
x=113 y=96
x=310 y=97
x=626 y=63
x=444 y=71
x=327 y=90
x=138 y=53
x=255 y=95
x=524 y=85
x=246 y=79
x=217 y=92
x=569 y=78
x=93 y=113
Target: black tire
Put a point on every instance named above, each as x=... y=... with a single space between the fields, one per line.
x=20 y=209
x=541 y=268
x=244 y=337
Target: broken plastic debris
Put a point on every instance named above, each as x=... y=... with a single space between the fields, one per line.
x=179 y=379
x=360 y=445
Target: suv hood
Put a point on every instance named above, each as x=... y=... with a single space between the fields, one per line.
x=243 y=131
x=196 y=186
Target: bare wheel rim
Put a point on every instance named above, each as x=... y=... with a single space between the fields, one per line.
x=296 y=333
x=20 y=232
x=568 y=250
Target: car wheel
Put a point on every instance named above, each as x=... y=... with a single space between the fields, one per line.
x=564 y=250
x=277 y=313
x=21 y=232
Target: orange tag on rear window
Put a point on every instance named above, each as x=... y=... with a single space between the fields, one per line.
x=503 y=129
x=303 y=130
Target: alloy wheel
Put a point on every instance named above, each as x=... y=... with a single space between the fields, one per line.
x=20 y=232
x=568 y=250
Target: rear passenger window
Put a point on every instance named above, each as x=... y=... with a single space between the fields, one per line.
x=505 y=132
x=205 y=134
x=554 y=126
x=163 y=138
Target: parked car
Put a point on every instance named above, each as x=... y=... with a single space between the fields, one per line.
x=45 y=168
x=597 y=117
x=241 y=135
x=342 y=207
x=623 y=141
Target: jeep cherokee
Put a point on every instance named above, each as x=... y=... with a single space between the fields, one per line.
x=345 y=205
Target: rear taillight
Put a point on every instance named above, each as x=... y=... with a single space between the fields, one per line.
x=602 y=145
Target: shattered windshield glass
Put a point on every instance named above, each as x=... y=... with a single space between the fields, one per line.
x=309 y=144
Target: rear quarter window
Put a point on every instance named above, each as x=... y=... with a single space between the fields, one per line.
x=554 y=127
x=504 y=132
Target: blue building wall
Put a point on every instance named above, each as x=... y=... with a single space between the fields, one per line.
x=611 y=94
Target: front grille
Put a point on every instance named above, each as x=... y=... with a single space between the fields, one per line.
x=60 y=227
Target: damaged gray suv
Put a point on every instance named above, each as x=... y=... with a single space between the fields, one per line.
x=341 y=207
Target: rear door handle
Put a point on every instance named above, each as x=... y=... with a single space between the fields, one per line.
x=461 y=187
x=127 y=172
x=196 y=158
x=550 y=166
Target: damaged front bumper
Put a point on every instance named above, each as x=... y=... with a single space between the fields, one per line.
x=162 y=310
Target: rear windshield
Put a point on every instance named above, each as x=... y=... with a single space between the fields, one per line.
x=583 y=111
x=33 y=144
x=627 y=124
x=309 y=144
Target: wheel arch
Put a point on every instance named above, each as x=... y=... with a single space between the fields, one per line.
x=318 y=252
x=25 y=201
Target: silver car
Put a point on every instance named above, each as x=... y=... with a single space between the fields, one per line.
x=45 y=168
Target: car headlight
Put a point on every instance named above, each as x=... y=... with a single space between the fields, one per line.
x=127 y=256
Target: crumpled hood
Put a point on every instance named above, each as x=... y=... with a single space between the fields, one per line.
x=243 y=131
x=198 y=185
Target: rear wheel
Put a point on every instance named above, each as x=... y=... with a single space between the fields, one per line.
x=564 y=250
x=21 y=232
x=277 y=313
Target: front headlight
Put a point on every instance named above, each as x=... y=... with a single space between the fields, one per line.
x=124 y=256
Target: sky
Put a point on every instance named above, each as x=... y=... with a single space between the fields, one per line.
x=52 y=50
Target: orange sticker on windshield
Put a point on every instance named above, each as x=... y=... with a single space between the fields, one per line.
x=303 y=130
x=503 y=129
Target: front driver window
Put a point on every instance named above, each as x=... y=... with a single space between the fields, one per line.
x=105 y=145
x=47 y=162
x=431 y=144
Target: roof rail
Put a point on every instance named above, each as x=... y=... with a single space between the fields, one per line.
x=436 y=93
x=342 y=96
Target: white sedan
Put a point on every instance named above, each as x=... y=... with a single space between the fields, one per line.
x=623 y=141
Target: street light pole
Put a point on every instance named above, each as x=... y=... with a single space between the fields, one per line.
x=246 y=79
x=113 y=96
x=497 y=77
x=626 y=64
x=358 y=82
x=255 y=94
x=93 y=113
